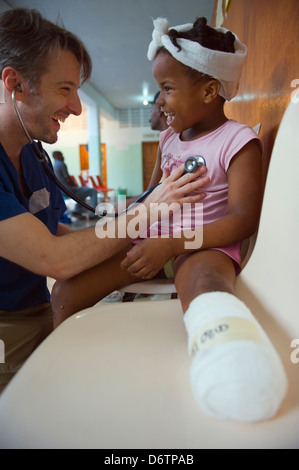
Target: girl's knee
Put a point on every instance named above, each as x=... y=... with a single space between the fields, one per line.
x=61 y=295
x=62 y=302
x=203 y=272
x=57 y=290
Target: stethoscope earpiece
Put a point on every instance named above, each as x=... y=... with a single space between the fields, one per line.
x=192 y=163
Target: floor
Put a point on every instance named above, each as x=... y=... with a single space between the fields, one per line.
x=74 y=222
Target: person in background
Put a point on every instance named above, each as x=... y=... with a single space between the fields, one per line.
x=157 y=118
x=82 y=192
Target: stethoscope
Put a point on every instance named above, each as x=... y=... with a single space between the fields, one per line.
x=191 y=164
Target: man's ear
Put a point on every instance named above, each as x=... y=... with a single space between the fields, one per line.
x=12 y=80
x=212 y=88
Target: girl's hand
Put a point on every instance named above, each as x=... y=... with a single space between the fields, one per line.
x=147 y=257
x=176 y=187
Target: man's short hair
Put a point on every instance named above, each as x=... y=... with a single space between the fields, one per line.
x=27 y=39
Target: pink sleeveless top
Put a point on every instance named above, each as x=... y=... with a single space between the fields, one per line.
x=218 y=148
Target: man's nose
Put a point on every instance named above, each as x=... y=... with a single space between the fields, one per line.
x=75 y=105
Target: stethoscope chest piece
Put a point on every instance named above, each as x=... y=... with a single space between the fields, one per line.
x=192 y=163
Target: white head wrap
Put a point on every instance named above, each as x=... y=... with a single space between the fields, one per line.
x=225 y=67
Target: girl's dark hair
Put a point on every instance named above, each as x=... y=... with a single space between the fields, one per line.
x=206 y=36
x=27 y=39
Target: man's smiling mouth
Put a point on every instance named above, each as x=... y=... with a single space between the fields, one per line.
x=59 y=118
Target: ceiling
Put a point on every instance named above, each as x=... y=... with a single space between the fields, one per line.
x=117 y=34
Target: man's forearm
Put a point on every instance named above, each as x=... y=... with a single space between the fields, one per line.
x=80 y=250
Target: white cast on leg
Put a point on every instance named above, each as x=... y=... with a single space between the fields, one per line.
x=235 y=374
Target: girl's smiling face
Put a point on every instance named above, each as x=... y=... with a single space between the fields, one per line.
x=182 y=95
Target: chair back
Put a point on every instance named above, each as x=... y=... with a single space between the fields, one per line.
x=101 y=186
x=83 y=181
x=94 y=185
x=74 y=180
x=100 y=183
x=271 y=273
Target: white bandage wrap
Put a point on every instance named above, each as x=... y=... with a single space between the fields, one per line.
x=235 y=374
x=226 y=67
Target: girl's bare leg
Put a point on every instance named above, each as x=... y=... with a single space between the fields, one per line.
x=204 y=271
x=88 y=288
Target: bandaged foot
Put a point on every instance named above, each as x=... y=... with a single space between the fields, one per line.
x=235 y=374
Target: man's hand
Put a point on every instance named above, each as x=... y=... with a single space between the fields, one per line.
x=177 y=187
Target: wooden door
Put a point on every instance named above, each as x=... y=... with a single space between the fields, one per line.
x=149 y=155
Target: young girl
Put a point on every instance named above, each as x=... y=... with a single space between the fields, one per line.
x=197 y=68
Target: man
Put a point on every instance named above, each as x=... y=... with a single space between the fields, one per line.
x=42 y=67
x=82 y=192
x=158 y=123
x=157 y=117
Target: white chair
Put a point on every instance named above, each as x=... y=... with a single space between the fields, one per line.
x=117 y=376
